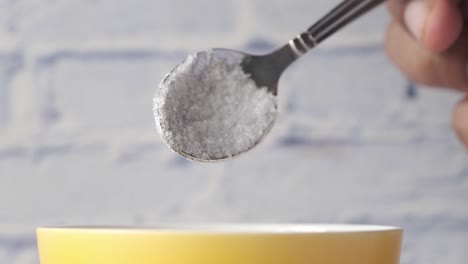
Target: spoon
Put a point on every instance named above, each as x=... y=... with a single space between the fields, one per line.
x=225 y=138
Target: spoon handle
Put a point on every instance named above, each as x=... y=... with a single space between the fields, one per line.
x=337 y=18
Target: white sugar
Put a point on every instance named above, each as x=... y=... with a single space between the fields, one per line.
x=207 y=108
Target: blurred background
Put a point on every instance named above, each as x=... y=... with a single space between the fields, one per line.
x=355 y=142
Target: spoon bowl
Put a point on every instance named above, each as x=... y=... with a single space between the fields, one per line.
x=208 y=101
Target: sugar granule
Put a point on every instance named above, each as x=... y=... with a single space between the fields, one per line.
x=208 y=108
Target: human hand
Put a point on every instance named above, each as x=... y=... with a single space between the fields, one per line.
x=427 y=40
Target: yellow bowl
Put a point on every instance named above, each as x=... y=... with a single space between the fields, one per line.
x=222 y=244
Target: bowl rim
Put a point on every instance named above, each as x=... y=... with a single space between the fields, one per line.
x=230 y=228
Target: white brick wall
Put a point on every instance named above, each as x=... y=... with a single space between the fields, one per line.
x=77 y=144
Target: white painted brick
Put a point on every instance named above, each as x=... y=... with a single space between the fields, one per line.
x=9 y=64
x=24 y=256
x=103 y=93
x=87 y=21
x=281 y=20
x=354 y=94
x=78 y=185
x=359 y=81
x=4 y=97
x=17 y=247
x=432 y=247
x=6 y=22
x=342 y=183
x=29 y=256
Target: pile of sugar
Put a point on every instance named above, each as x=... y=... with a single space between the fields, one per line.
x=207 y=108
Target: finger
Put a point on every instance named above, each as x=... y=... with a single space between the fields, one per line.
x=447 y=69
x=436 y=24
x=464 y=7
x=443 y=25
x=460 y=121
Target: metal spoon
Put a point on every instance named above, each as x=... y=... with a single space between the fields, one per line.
x=265 y=70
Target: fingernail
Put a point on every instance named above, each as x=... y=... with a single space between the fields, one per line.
x=415 y=15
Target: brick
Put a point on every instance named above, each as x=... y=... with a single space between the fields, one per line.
x=354 y=94
x=279 y=20
x=26 y=256
x=77 y=21
x=9 y=65
x=307 y=183
x=6 y=21
x=4 y=255
x=103 y=93
x=423 y=248
x=360 y=79
x=85 y=181
x=16 y=246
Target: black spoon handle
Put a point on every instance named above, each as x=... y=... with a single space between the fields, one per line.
x=337 y=18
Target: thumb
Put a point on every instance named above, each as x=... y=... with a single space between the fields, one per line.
x=436 y=24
